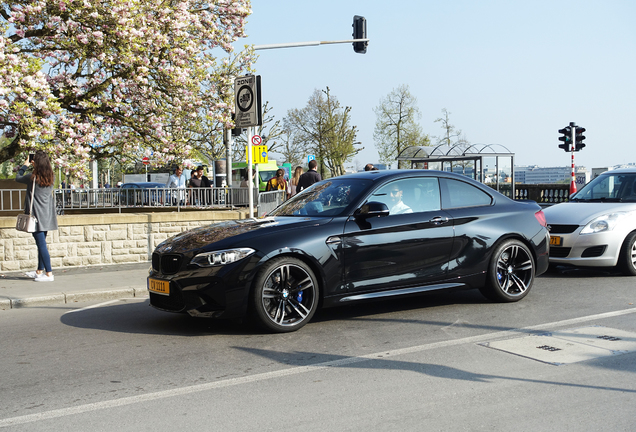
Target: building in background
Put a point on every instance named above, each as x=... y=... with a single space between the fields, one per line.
x=535 y=174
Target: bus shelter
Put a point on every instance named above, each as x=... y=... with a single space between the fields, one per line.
x=491 y=164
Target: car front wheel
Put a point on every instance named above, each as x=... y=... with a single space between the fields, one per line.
x=627 y=257
x=285 y=295
x=510 y=272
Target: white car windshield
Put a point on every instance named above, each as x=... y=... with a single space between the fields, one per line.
x=609 y=187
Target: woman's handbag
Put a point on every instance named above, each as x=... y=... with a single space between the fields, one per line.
x=27 y=222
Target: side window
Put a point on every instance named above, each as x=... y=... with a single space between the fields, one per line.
x=412 y=195
x=461 y=194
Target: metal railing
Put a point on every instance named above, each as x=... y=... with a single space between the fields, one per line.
x=12 y=200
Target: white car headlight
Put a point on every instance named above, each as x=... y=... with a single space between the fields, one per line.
x=605 y=223
x=222 y=257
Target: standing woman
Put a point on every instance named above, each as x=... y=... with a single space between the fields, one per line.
x=294 y=180
x=42 y=179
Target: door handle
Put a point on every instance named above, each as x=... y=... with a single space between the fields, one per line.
x=439 y=220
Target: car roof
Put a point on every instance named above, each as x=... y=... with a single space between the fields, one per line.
x=399 y=173
x=144 y=184
x=619 y=171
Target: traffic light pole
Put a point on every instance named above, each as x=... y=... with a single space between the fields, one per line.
x=573 y=180
x=304 y=44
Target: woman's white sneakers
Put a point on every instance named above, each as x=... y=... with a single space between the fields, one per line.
x=44 y=278
x=32 y=274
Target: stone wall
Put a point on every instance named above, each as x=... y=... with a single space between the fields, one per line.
x=83 y=240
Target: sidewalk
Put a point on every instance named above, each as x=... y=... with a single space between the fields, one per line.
x=102 y=282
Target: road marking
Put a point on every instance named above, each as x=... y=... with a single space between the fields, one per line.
x=100 y=305
x=80 y=409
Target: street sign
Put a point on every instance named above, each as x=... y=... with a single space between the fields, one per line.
x=257 y=140
x=310 y=158
x=259 y=154
x=247 y=101
x=145 y=160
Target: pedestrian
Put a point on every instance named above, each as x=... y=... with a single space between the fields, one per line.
x=310 y=177
x=42 y=179
x=293 y=183
x=205 y=182
x=368 y=167
x=177 y=181
x=278 y=182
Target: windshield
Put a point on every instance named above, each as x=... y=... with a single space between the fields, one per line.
x=327 y=198
x=617 y=187
x=267 y=175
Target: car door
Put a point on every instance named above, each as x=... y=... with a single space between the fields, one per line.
x=477 y=225
x=407 y=248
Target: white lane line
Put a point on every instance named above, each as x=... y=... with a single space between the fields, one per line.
x=100 y=305
x=79 y=409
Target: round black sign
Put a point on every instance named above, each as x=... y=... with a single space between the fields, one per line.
x=245 y=98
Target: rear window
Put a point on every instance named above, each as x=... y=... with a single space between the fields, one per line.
x=461 y=194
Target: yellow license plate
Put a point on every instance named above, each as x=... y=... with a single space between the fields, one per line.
x=555 y=240
x=159 y=286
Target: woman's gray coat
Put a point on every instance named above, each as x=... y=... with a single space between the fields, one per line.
x=43 y=202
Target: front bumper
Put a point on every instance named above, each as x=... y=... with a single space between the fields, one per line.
x=593 y=250
x=216 y=292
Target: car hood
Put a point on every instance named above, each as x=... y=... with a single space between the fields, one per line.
x=229 y=233
x=580 y=213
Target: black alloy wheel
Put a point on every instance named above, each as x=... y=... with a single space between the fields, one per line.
x=285 y=295
x=510 y=272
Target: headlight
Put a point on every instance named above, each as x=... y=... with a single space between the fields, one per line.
x=605 y=223
x=222 y=257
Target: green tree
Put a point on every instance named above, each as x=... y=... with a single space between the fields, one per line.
x=291 y=148
x=396 y=126
x=451 y=135
x=324 y=128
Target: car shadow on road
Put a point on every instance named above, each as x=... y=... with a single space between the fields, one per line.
x=125 y=316
x=384 y=362
x=133 y=316
x=559 y=271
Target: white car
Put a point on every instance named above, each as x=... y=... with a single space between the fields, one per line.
x=597 y=227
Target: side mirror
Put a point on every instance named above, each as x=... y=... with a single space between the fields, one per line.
x=372 y=209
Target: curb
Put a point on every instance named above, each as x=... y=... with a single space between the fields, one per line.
x=65 y=298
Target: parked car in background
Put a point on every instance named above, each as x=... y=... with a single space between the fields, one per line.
x=141 y=193
x=363 y=236
x=597 y=227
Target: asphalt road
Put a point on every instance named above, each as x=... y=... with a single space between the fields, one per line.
x=417 y=364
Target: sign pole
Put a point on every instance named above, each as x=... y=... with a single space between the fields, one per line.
x=250 y=177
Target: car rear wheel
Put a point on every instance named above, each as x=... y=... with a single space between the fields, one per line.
x=627 y=257
x=285 y=295
x=510 y=272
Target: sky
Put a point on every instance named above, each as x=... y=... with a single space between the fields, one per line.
x=509 y=72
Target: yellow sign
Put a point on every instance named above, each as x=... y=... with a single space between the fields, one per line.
x=259 y=154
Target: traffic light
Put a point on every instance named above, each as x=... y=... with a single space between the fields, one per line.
x=566 y=138
x=578 y=138
x=360 y=32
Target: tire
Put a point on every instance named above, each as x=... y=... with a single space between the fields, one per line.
x=627 y=257
x=510 y=272
x=285 y=295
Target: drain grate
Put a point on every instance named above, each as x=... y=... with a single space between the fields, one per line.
x=569 y=346
x=609 y=338
x=548 y=348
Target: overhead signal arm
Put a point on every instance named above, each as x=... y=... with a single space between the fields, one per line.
x=359 y=41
